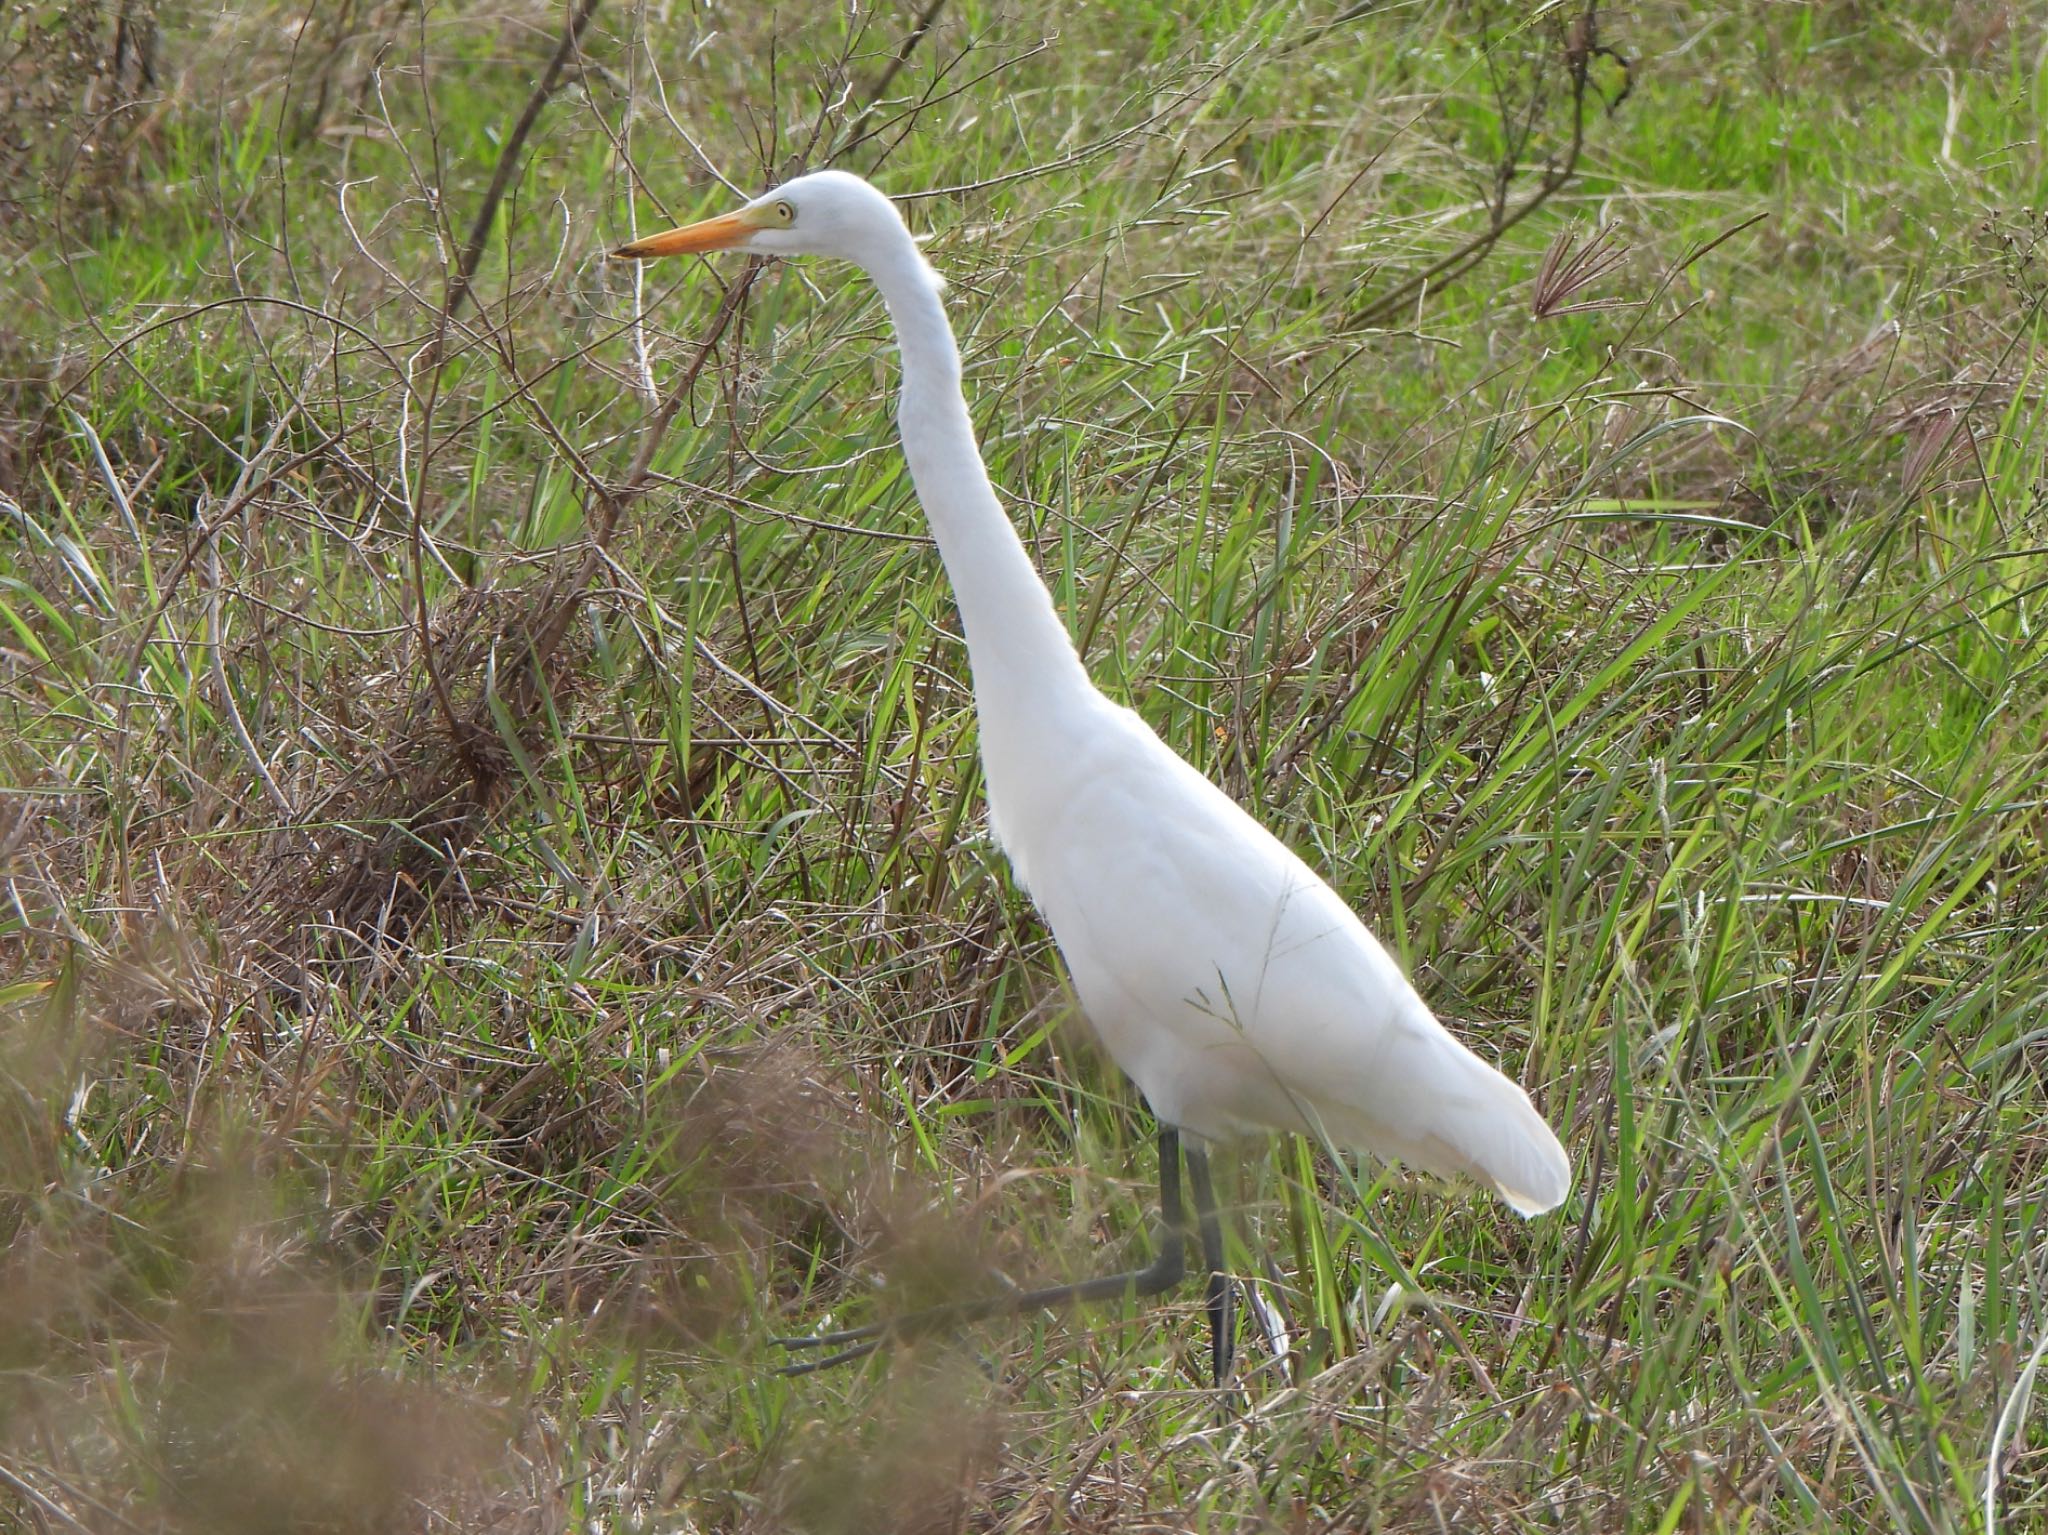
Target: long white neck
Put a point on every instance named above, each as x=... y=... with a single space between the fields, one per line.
x=1016 y=644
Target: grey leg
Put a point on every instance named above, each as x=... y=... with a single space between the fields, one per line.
x=1164 y=1272
x=1222 y=1334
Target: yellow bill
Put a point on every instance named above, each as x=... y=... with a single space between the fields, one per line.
x=725 y=232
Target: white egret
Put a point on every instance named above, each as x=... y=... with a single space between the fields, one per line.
x=1236 y=988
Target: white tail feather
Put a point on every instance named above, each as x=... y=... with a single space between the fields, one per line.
x=1455 y=1116
x=1496 y=1136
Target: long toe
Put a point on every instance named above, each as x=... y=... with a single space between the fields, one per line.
x=833 y=1339
x=844 y=1356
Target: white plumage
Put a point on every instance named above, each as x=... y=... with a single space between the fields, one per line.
x=1223 y=974
x=1237 y=988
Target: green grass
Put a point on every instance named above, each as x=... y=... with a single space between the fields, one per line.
x=1662 y=679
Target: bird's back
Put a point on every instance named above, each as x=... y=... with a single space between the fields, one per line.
x=1232 y=983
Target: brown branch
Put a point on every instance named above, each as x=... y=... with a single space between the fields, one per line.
x=611 y=501
x=472 y=253
x=853 y=135
x=1581 y=48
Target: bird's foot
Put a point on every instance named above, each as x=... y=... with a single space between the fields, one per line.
x=851 y=1343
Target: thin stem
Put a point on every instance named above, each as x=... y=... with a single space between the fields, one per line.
x=472 y=252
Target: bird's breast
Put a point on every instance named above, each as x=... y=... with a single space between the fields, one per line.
x=1218 y=970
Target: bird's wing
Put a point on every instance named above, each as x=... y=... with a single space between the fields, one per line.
x=1239 y=991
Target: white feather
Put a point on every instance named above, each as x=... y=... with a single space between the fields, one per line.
x=1222 y=973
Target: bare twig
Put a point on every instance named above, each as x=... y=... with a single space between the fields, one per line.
x=856 y=132
x=508 y=161
x=216 y=626
x=611 y=501
x=1581 y=48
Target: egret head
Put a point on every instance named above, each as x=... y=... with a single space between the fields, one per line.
x=827 y=213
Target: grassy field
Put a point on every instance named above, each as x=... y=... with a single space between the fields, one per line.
x=496 y=913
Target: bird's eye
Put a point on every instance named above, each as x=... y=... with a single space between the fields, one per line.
x=785 y=213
